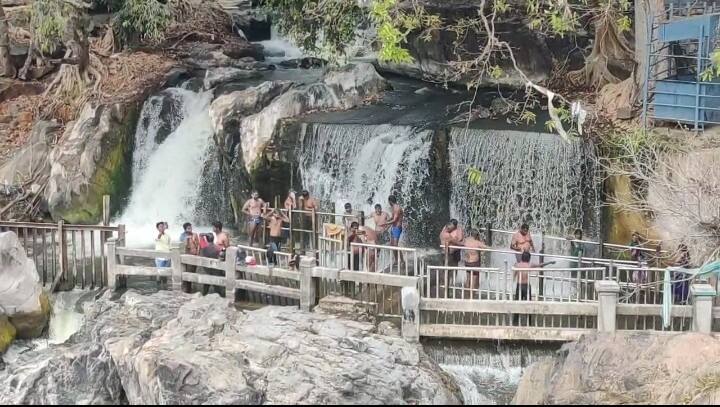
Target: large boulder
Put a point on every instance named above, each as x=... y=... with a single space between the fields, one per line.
x=7 y=334
x=342 y=88
x=174 y=348
x=93 y=158
x=81 y=370
x=628 y=368
x=22 y=299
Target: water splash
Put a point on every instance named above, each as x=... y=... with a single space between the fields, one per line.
x=278 y=48
x=167 y=175
x=364 y=164
x=486 y=374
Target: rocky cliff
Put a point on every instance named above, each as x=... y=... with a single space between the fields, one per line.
x=627 y=368
x=172 y=348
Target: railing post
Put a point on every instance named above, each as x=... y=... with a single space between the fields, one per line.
x=314 y=242
x=290 y=231
x=362 y=218
x=111 y=263
x=177 y=268
x=308 y=284
x=410 y=302
x=230 y=274
x=488 y=235
x=63 y=251
x=702 y=297
x=541 y=274
x=106 y=210
x=608 y=292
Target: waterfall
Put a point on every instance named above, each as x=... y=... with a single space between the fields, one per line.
x=278 y=48
x=66 y=319
x=167 y=171
x=532 y=178
x=364 y=164
x=486 y=374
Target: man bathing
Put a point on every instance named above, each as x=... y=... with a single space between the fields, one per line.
x=395 y=222
x=452 y=235
x=379 y=218
x=253 y=208
x=522 y=241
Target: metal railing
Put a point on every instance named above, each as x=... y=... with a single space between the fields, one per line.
x=71 y=255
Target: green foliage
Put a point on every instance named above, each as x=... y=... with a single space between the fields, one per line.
x=316 y=24
x=475 y=176
x=496 y=72
x=501 y=6
x=389 y=34
x=712 y=71
x=528 y=117
x=144 y=19
x=49 y=19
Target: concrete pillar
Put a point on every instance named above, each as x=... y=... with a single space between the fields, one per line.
x=608 y=292
x=308 y=284
x=411 y=314
x=702 y=298
x=177 y=268
x=230 y=274
x=111 y=263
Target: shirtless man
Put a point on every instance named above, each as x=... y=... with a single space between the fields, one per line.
x=523 y=292
x=275 y=221
x=371 y=237
x=452 y=235
x=395 y=222
x=379 y=218
x=355 y=236
x=308 y=203
x=350 y=216
x=472 y=257
x=522 y=241
x=290 y=202
x=253 y=208
x=222 y=239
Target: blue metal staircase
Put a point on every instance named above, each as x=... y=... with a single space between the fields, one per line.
x=678 y=54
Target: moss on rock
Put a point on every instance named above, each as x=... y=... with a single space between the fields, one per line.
x=32 y=324
x=7 y=333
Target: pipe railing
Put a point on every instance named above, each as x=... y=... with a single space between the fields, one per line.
x=582 y=260
x=384 y=259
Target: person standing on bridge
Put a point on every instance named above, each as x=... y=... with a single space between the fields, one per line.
x=350 y=216
x=396 y=224
x=355 y=236
x=577 y=249
x=253 y=208
x=222 y=239
x=452 y=235
x=275 y=221
x=310 y=204
x=379 y=218
x=523 y=292
x=190 y=240
x=162 y=244
x=522 y=242
x=472 y=258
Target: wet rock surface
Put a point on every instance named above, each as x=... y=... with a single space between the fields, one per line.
x=171 y=348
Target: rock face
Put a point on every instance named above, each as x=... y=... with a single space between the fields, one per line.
x=93 y=158
x=31 y=159
x=172 y=348
x=245 y=121
x=342 y=88
x=22 y=300
x=628 y=368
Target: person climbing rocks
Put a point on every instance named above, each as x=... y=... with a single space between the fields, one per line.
x=253 y=208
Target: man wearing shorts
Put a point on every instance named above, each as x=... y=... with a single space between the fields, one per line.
x=253 y=208
x=472 y=258
x=452 y=235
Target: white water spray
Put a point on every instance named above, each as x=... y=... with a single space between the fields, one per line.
x=166 y=176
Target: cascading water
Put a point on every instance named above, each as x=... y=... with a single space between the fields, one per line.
x=167 y=173
x=278 y=48
x=65 y=320
x=532 y=178
x=364 y=164
x=486 y=374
